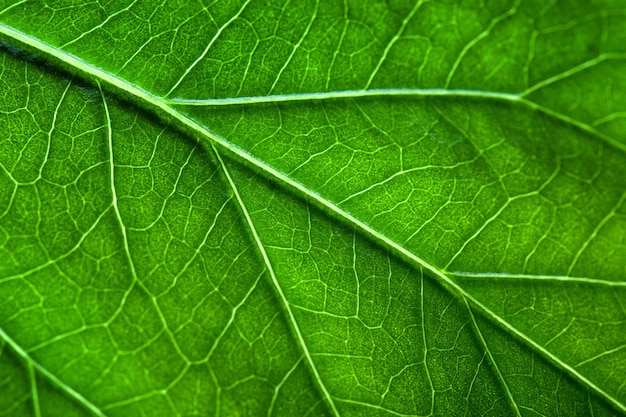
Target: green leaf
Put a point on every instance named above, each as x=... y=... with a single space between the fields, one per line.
x=313 y=208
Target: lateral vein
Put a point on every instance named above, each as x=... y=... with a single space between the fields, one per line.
x=276 y=284
x=49 y=375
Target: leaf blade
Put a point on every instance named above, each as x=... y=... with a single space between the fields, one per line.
x=515 y=188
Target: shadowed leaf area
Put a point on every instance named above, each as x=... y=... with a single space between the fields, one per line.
x=310 y=208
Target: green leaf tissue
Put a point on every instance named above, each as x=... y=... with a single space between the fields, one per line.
x=312 y=208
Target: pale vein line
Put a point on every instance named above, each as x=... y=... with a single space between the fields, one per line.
x=15 y=185
x=600 y=355
x=33 y=387
x=492 y=359
x=197 y=250
x=277 y=286
x=120 y=221
x=218 y=392
x=403 y=172
x=206 y=50
x=165 y=104
x=478 y=38
x=391 y=92
x=17 y=3
x=49 y=375
x=296 y=46
x=530 y=57
x=52 y=127
x=564 y=330
x=212 y=138
x=325 y=313
x=476 y=372
x=595 y=232
x=396 y=92
x=50 y=262
x=538 y=277
x=337 y=50
x=609 y=118
x=104 y=22
x=396 y=37
x=423 y=314
x=231 y=319
x=570 y=120
x=572 y=71
x=112 y=180
x=411 y=92
x=375 y=407
x=496 y=216
x=486 y=223
x=133 y=400
x=62 y=336
x=278 y=386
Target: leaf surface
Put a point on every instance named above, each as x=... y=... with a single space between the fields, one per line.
x=313 y=208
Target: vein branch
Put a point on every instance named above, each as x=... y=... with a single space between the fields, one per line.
x=483 y=342
x=278 y=287
x=208 y=47
x=534 y=277
x=395 y=39
x=34 y=389
x=380 y=92
x=49 y=375
x=120 y=221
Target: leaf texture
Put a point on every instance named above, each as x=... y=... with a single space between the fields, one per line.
x=313 y=208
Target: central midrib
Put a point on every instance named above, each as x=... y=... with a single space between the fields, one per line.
x=155 y=102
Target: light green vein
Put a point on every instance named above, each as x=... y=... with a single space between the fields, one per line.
x=166 y=104
x=425 y=342
x=231 y=320
x=377 y=408
x=494 y=22
x=122 y=226
x=295 y=47
x=492 y=360
x=157 y=103
x=34 y=389
x=17 y=3
x=52 y=127
x=397 y=92
x=208 y=47
x=572 y=71
x=329 y=95
x=279 y=386
x=609 y=118
x=595 y=232
x=536 y=277
x=104 y=22
x=278 y=287
x=395 y=39
x=49 y=375
x=601 y=355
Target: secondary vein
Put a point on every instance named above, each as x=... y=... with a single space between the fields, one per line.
x=277 y=286
x=49 y=375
